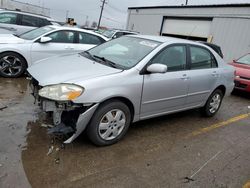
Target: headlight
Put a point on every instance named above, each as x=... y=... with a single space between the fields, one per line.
x=61 y=92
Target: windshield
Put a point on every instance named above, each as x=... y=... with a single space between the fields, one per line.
x=33 y=34
x=125 y=52
x=244 y=60
x=108 y=33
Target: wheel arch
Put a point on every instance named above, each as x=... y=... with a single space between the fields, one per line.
x=222 y=88
x=9 y=51
x=125 y=101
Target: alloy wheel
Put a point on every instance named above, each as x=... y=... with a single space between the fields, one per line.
x=10 y=65
x=215 y=103
x=112 y=124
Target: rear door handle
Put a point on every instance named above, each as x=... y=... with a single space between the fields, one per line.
x=184 y=77
x=215 y=74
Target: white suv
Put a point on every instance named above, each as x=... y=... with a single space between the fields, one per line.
x=17 y=22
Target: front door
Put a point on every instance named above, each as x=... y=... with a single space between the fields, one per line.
x=62 y=42
x=167 y=92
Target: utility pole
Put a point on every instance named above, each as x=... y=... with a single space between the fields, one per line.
x=186 y=2
x=102 y=7
x=67 y=15
x=1 y=4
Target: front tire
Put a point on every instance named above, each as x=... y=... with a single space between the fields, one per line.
x=12 y=65
x=213 y=103
x=109 y=123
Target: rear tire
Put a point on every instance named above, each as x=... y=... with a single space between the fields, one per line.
x=213 y=103
x=109 y=123
x=12 y=65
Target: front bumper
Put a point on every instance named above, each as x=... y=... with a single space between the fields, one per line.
x=242 y=84
x=76 y=116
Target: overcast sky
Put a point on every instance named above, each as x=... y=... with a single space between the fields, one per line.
x=115 y=12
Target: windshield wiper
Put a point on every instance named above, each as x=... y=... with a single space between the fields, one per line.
x=110 y=63
x=88 y=54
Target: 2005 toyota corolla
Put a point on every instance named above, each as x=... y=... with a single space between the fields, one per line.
x=132 y=78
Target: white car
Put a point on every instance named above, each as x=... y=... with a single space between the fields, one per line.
x=18 y=22
x=19 y=52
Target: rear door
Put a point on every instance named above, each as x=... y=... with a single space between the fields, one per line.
x=163 y=93
x=204 y=73
x=63 y=42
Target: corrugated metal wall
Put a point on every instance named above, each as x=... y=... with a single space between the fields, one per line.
x=233 y=35
x=230 y=26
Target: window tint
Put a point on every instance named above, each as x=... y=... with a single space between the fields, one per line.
x=118 y=34
x=128 y=33
x=44 y=22
x=30 y=21
x=201 y=58
x=62 y=36
x=86 y=38
x=174 y=57
x=8 y=18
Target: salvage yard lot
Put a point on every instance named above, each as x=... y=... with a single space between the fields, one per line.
x=180 y=150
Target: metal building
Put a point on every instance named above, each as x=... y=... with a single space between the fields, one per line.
x=26 y=7
x=227 y=25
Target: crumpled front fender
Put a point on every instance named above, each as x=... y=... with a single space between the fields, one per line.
x=82 y=123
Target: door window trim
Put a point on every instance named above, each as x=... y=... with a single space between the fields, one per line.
x=144 y=69
x=202 y=47
x=78 y=38
x=74 y=40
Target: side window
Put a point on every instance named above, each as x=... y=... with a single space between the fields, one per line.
x=8 y=18
x=128 y=33
x=30 y=21
x=62 y=37
x=174 y=57
x=201 y=58
x=118 y=34
x=86 y=38
x=44 y=22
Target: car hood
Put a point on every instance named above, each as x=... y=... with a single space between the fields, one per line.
x=10 y=39
x=68 y=69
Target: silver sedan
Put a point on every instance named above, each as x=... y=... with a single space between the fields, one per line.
x=132 y=78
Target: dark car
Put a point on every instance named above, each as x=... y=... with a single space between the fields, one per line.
x=215 y=47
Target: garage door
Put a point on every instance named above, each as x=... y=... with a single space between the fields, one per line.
x=186 y=27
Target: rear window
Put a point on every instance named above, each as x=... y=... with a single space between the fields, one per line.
x=8 y=18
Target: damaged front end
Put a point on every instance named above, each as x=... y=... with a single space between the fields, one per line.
x=69 y=119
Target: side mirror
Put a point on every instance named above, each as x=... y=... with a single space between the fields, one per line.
x=45 y=39
x=114 y=37
x=157 y=68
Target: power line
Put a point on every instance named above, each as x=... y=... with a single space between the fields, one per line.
x=116 y=9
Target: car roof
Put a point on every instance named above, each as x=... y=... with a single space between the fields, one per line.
x=164 y=39
x=122 y=30
x=27 y=13
x=77 y=29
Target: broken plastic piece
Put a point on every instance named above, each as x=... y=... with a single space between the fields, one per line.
x=50 y=150
x=61 y=129
x=2 y=108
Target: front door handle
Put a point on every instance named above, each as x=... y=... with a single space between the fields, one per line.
x=69 y=48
